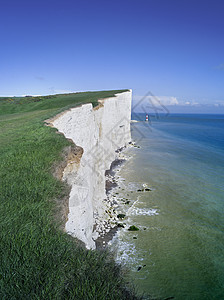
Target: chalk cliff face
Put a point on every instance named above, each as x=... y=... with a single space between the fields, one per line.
x=99 y=132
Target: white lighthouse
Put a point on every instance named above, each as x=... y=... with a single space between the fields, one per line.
x=146 y=118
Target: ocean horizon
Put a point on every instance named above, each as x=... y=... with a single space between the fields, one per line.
x=172 y=190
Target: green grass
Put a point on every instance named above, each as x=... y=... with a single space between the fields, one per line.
x=37 y=259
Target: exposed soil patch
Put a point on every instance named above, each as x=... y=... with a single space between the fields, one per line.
x=70 y=155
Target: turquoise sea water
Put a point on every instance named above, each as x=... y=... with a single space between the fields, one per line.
x=179 y=250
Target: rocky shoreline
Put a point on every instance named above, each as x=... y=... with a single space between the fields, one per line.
x=119 y=201
x=106 y=229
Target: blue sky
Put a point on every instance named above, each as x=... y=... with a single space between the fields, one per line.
x=175 y=49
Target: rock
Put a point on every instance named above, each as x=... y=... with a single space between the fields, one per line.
x=140 y=190
x=134 y=237
x=120 y=225
x=121 y=216
x=133 y=228
x=147 y=190
x=139 y=268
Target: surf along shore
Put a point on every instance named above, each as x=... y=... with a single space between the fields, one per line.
x=38 y=259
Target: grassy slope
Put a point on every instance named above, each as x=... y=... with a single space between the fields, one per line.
x=37 y=260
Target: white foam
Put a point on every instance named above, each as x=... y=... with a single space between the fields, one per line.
x=133 y=186
x=125 y=252
x=143 y=212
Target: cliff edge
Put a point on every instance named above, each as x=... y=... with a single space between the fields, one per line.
x=99 y=132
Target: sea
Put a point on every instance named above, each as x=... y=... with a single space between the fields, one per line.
x=171 y=188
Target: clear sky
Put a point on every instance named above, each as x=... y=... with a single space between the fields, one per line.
x=173 y=48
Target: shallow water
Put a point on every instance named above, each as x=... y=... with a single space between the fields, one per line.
x=180 y=244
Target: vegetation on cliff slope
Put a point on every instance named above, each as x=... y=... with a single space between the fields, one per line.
x=37 y=259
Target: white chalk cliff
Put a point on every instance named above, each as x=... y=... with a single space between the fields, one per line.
x=99 y=131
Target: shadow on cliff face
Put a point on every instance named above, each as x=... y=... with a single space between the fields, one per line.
x=111 y=183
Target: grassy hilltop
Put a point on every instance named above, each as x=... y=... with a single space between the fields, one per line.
x=37 y=259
